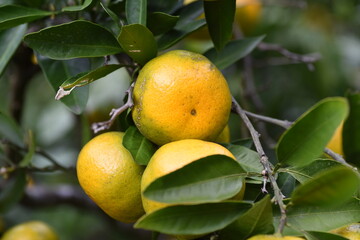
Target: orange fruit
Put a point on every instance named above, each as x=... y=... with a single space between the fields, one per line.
x=181 y=95
x=273 y=237
x=33 y=230
x=335 y=144
x=110 y=177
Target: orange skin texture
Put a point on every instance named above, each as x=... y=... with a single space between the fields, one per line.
x=110 y=177
x=335 y=143
x=181 y=95
x=33 y=230
x=351 y=231
x=173 y=156
x=272 y=237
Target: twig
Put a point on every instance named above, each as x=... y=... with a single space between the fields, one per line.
x=337 y=157
x=308 y=59
x=100 y=126
x=268 y=171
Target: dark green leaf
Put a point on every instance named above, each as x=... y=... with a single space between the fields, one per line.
x=167 y=22
x=76 y=39
x=314 y=235
x=9 y=41
x=13 y=15
x=320 y=218
x=328 y=188
x=138 y=42
x=286 y=183
x=193 y=219
x=258 y=220
x=10 y=130
x=56 y=72
x=140 y=148
x=220 y=25
x=209 y=179
x=83 y=79
x=306 y=139
x=303 y=174
x=232 y=52
x=248 y=159
x=245 y=142
x=351 y=130
x=167 y=6
x=136 y=11
x=85 y=4
x=12 y=193
x=113 y=16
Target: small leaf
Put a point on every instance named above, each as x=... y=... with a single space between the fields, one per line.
x=9 y=41
x=56 y=72
x=138 y=42
x=314 y=235
x=220 y=25
x=12 y=193
x=248 y=159
x=140 y=148
x=13 y=15
x=257 y=220
x=328 y=188
x=209 y=179
x=85 y=4
x=77 y=39
x=84 y=79
x=193 y=219
x=307 y=218
x=232 y=52
x=167 y=22
x=306 y=139
x=136 y=11
x=351 y=130
x=303 y=174
x=10 y=130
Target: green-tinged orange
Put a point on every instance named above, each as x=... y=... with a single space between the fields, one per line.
x=224 y=136
x=273 y=237
x=33 y=230
x=335 y=144
x=181 y=95
x=351 y=231
x=110 y=177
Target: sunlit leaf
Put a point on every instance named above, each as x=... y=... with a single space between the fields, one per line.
x=193 y=219
x=76 y=39
x=9 y=41
x=305 y=140
x=138 y=42
x=209 y=179
x=14 y=15
x=140 y=148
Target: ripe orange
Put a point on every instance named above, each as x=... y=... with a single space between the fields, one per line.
x=335 y=143
x=33 y=230
x=273 y=237
x=110 y=177
x=181 y=95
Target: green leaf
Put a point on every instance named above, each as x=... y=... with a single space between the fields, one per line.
x=186 y=24
x=306 y=218
x=167 y=22
x=232 y=52
x=193 y=219
x=314 y=235
x=220 y=25
x=13 y=15
x=167 y=6
x=328 y=188
x=10 y=130
x=9 y=41
x=286 y=183
x=56 y=72
x=140 y=148
x=83 y=79
x=306 y=139
x=26 y=161
x=138 y=42
x=113 y=16
x=136 y=11
x=351 y=130
x=303 y=174
x=85 y=4
x=209 y=179
x=248 y=159
x=257 y=220
x=77 y=39
x=12 y=193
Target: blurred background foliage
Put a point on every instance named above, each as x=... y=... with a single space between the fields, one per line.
x=285 y=89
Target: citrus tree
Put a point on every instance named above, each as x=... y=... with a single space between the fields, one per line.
x=216 y=129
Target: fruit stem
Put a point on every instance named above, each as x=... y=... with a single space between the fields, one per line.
x=268 y=171
x=100 y=126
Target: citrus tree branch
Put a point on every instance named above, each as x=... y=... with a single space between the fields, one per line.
x=268 y=170
x=115 y=112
